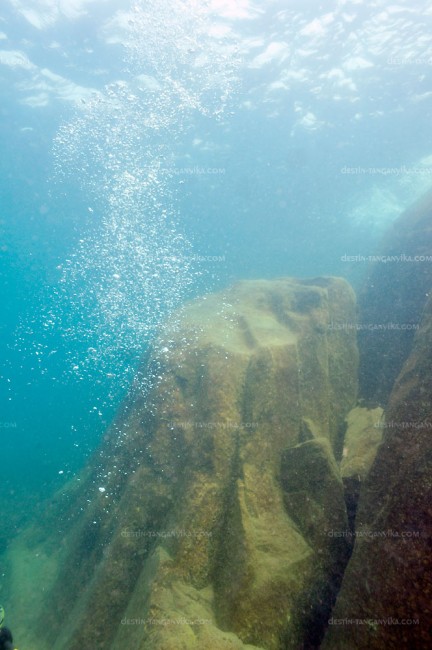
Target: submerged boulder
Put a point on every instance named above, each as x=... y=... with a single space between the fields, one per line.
x=386 y=595
x=392 y=301
x=203 y=520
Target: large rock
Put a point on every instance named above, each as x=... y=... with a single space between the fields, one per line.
x=393 y=299
x=202 y=522
x=386 y=593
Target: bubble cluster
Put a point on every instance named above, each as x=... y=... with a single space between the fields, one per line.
x=133 y=264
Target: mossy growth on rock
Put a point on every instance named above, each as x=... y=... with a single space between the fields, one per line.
x=199 y=539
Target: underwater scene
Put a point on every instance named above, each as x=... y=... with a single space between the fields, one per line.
x=216 y=324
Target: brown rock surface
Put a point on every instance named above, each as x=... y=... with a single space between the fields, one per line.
x=361 y=441
x=389 y=577
x=186 y=531
x=393 y=299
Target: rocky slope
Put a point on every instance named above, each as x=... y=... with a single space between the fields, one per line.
x=206 y=518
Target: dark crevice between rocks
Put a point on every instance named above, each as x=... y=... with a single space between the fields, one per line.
x=322 y=610
x=324 y=601
x=314 y=609
x=352 y=488
x=317 y=606
x=322 y=607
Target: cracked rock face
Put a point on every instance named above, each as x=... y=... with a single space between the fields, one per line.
x=388 y=582
x=221 y=491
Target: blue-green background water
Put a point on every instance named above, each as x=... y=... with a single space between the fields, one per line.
x=291 y=94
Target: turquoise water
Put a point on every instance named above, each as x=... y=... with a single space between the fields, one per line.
x=154 y=151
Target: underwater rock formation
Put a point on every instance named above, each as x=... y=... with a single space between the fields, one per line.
x=389 y=577
x=393 y=299
x=360 y=444
x=205 y=519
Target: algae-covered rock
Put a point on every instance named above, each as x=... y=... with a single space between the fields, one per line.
x=386 y=595
x=313 y=490
x=185 y=530
x=361 y=441
x=362 y=438
x=392 y=300
x=314 y=499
